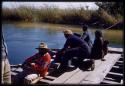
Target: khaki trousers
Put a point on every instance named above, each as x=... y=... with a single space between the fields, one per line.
x=6 y=72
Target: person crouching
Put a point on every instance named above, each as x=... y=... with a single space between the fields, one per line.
x=37 y=64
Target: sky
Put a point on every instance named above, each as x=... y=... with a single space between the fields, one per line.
x=63 y=5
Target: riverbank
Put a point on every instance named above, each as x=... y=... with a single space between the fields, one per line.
x=56 y=15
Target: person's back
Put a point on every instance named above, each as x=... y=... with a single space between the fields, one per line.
x=97 y=46
x=75 y=41
x=86 y=36
x=97 y=49
x=74 y=47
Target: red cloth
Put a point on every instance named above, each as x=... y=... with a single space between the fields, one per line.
x=41 y=63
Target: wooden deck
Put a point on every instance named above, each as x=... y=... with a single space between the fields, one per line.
x=78 y=76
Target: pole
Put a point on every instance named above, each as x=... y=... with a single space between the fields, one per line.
x=112 y=26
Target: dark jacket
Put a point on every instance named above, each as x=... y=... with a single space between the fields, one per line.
x=75 y=42
x=97 y=49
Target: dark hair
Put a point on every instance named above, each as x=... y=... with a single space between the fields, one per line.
x=98 y=33
x=85 y=27
x=106 y=42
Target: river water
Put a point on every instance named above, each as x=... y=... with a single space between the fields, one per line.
x=22 y=41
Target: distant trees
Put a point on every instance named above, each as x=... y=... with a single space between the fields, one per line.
x=113 y=8
x=113 y=12
x=109 y=13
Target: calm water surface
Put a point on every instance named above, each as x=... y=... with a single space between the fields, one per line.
x=21 y=42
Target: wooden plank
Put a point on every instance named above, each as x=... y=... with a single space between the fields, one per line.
x=13 y=73
x=110 y=82
x=121 y=62
x=76 y=78
x=98 y=75
x=13 y=69
x=121 y=81
x=80 y=75
x=115 y=67
x=109 y=78
x=19 y=69
x=45 y=81
x=116 y=74
x=50 y=77
x=115 y=50
x=65 y=76
x=18 y=65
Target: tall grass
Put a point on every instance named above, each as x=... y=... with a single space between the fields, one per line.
x=114 y=36
x=52 y=14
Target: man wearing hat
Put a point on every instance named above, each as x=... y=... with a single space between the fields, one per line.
x=38 y=63
x=73 y=47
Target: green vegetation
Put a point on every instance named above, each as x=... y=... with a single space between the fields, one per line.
x=55 y=15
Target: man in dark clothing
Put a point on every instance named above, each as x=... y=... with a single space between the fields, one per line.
x=86 y=36
x=97 y=49
x=74 y=47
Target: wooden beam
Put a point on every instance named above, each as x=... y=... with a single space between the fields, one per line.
x=65 y=76
x=45 y=81
x=115 y=50
x=80 y=75
x=109 y=82
x=13 y=73
x=87 y=77
x=50 y=77
x=19 y=69
x=116 y=74
x=121 y=62
x=109 y=78
x=121 y=81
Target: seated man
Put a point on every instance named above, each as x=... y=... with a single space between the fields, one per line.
x=36 y=64
x=98 y=46
x=86 y=36
x=74 y=47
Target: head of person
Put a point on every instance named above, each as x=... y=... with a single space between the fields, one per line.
x=98 y=33
x=84 y=27
x=43 y=48
x=67 y=33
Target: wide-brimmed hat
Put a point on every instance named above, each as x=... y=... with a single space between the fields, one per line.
x=42 y=46
x=67 y=31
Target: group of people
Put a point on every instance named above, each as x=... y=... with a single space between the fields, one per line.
x=75 y=46
x=81 y=46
